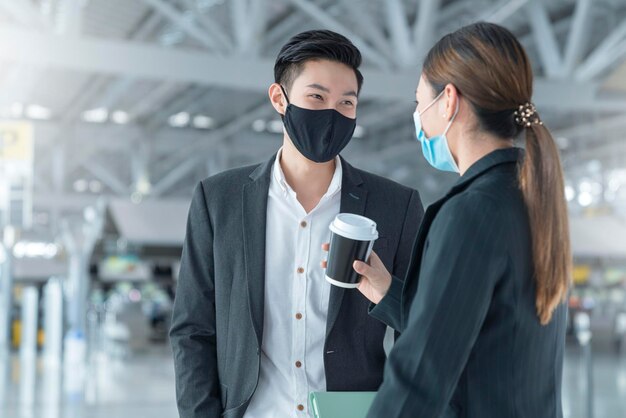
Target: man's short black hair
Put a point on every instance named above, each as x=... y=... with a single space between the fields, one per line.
x=313 y=45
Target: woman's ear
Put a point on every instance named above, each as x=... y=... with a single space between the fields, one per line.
x=277 y=98
x=451 y=102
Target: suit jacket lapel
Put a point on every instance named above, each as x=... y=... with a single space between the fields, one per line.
x=353 y=200
x=255 y=196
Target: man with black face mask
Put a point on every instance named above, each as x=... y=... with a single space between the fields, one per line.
x=256 y=327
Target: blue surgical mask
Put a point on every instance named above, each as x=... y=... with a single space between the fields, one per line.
x=436 y=149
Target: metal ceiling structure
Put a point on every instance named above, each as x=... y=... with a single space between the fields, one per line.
x=147 y=97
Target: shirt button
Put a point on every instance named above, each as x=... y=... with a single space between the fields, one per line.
x=298 y=364
x=300 y=407
x=298 y=315
x=303 y=224
x=300 y=270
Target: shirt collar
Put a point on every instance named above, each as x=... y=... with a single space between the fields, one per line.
x=279 y=177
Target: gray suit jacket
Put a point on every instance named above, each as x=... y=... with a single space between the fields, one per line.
x=217 y=322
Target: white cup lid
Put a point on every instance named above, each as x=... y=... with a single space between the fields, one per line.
x=354 y=227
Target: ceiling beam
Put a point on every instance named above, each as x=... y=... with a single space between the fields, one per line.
x=323 y=18
x=210 y=26
x=545 y=39
x=502 y=11
x=188 y=26
x=604 y=55
x=368 y=26
x=398 y=28
x=578 y=38
x=588 y=129
x=108 y=177
x=424 y=27
x=127 y=58
x=293 y=22
x=25 y=13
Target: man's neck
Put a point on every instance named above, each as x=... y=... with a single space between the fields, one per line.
x=308 y=179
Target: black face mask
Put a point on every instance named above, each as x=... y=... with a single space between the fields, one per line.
x=319 y=135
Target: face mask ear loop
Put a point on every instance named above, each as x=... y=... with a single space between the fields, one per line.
x=453 y=116
x=282 y=116
x=431 y=103
x=285 y=94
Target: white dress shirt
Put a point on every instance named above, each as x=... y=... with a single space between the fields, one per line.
x=296 y=300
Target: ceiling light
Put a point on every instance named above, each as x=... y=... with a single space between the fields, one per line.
x=38 y=112
x=585 y=186
x=81 y=185
x=275 y=126
x=99 y=115
x=26 y=249
x=120 y=117
x=143 y=185
x=179 y=120
x=90 y=214
x=203 y=122
x=95 y=186
x=585 y=199
x=259 y=125
x=171 y=37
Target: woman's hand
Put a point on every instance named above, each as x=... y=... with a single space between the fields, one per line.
x=375 y=281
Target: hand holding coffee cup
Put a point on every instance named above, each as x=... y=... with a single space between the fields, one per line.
x=352 y=239
x=375 y=279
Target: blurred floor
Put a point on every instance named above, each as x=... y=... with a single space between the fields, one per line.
x=142 y=386
x=139 y=386
x=609 y=379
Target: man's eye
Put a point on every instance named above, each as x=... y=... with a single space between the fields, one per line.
x=348 y=103
x=316 y=96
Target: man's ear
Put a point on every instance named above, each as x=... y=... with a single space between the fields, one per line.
x=277 y=98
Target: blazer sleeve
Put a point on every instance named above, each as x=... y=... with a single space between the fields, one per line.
x=464 y=259
x=192 y=333
x=412 y=221
x=388 y=311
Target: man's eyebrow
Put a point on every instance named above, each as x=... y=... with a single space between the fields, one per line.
x=319 y=87
x=326 y=90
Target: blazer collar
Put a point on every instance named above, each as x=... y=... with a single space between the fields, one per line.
x=351 y=177
x=491 y=160
x=254 y=209
x=263 y=171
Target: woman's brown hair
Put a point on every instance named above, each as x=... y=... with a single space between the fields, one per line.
x=490 y=68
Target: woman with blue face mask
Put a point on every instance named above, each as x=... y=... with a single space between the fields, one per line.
x=481 y=311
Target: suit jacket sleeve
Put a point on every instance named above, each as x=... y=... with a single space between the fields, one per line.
x=464 y=259
x=412 y=221
x=193 y=321
x=388 y=310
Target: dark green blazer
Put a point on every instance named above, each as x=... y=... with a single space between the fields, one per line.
x=471 y=344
